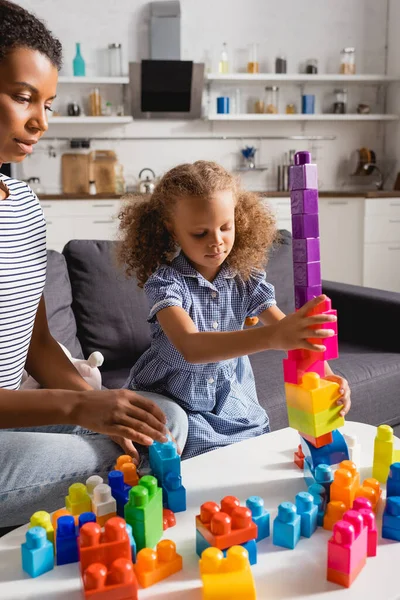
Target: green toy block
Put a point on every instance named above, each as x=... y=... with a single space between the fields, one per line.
x=144 y=512
x=317 y=424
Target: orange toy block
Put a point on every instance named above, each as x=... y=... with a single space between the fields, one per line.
x=352 y=467
x=227 y=526
x=345 y=486
x=227 y=578
x=344 y=579
x=371 y=490
x=334 y=513
x=104 y=547
x=153 y=566
x=318 y=442
x=131 y=476
x=117 y=584
x=299 y=457
x=313 y=395
x=251 y=321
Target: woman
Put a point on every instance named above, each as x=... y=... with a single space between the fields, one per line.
x=37 y=468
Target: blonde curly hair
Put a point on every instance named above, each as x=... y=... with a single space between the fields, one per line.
x=146 y=242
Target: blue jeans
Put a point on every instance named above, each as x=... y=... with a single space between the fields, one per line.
x=38 y=464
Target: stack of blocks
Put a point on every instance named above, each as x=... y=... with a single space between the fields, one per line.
x=165 y=464
x=384 y=453
x=231 y=525
x=295 y=520
x=144 y=512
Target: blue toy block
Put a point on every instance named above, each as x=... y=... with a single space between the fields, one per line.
x=251 y=547
x=391 y=534
x=391 y=515
x=37 y=552
x=132 y=541
x=308 y=473
x=308 y=512
x=260 y=516
x=320 y=503
x=316 y=489
x=66 y=541
x=287 y=525
x=323 y=475
x=164 y=459
x=174 y=494
x=119 y=491
x=393 y=481
x=87 y=517
x=331 y=454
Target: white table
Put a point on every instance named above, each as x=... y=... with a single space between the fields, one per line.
x=264 y=467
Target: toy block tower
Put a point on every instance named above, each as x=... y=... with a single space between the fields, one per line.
x=311 y=400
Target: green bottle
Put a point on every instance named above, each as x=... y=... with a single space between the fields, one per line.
x=78 y=62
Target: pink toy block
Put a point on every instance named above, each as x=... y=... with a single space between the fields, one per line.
x=332 y=347
x=303 y=294
x=307 y=274
x=347 y=548
x=368 y=516
x=306 y=250
x=305 y=226
x=302 y=177
x=304 y=201
x=293 y=370
x=322 y=307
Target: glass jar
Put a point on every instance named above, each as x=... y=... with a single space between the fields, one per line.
x=312 y=66
x=115 y=60
x=95 y=103
x=253 y=64
x=340 y=103
x=290 y=109
x=348 y=61
x=280 y=64
x=271 y=100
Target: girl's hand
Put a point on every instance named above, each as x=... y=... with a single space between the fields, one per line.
x=344 y=391
x=129 y=448
x=296 y=330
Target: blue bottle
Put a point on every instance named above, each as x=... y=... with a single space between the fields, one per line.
x=79 y=63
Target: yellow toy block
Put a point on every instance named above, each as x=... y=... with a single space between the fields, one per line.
x=316 y=424
x=227 y=578
x=384 y=453
x=78 y=500
x=41 y=518
x=313 y=395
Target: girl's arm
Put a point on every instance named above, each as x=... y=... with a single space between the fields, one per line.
x=280 y=334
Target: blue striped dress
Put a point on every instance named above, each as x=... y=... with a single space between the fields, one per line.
x=220 y=399
x=22 y=276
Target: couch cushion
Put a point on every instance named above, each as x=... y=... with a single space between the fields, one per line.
x=58 y=299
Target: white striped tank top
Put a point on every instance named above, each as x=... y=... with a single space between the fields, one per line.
x=22 y=276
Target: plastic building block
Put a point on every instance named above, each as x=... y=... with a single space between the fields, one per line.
x=318 y=442
x=298 y=458
x=132 y=541
x=119 y=583
x=287 y=526
x=369 y=520
x=41 y=518
x=308 y=512
x=303 y=177
x=227 y=578
x=260 y=516
x=371 y=490
x=37 y=552
x=393 y=481
x=293 y=370
x=318 y=492
x=104 y=505
x=78 y=499
x=164 y=459
x=87 y=517
x=66 y=541
x=251 y=547
x=174 y=494
x=105 y=546
x=304 y=201
x=227 y=526
x=354 y=449
x=92 y=482
x=144 y=512
x=383 y=453
x=130 y=474
x=122 y=460
x=305 y=226
x=308 y=473
x=307 y=274
x=391 y=519
x=168 y=519
x=315 y=424
x=331 y=454
x=306 y=250
x=334 y=513
x=323 y=475
x=154 y=566
x=120 y=490
x=347 y=549
x=344 y=487
x=304 y=294
x=313 y=395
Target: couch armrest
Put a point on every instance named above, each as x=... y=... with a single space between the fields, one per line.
x=366 y=316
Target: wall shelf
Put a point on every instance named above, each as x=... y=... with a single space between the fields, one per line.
x=301 y=117
x=299 y=78
x=90 y=120
x=94 y=80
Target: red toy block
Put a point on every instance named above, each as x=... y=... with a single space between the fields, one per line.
x=299 y=457
x=293 y=370
x=318 y=442
x=117 y=584
x=168 y=518
x=104 y=547
x=153 y=566
x=230 y=525
x=321 y=308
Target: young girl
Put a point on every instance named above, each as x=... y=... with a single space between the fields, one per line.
x=200 y=298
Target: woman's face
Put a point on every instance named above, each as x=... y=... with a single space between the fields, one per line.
x=28 y=82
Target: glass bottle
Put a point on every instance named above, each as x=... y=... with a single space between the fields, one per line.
x=253 y=64
x=340 y=104
x=348 y=61
x=280 y=64
x=78 y=63
x=312 y=66
x=95 y=103
x=223 y=66
x=271 y=99
x=115 y=60
x=92 y=188
x=119 y=179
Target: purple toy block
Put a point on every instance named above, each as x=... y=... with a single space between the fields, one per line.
x=305 y=226
x=303 y=177
x=304 y=294
x=304 y=201
x=306 y=250
x=307 y=274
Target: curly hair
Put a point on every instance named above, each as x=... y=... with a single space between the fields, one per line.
x=21 y=29
x=146 y=242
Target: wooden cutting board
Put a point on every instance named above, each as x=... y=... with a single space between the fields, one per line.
x=75 y=173
x=102 y=170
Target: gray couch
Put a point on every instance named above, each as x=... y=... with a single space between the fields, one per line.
x=92 y=306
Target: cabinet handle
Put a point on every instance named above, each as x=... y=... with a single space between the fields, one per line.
x=102 y=222
x=338 y=202
x=395 y=204
x=394 y=247
x=49 y=222
x=102 y=205
x=47 y=205
x=394 y=220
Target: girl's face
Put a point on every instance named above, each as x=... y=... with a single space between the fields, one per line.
x=28 y=82
x=205 y=230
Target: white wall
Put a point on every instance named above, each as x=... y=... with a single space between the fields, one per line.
x=300 y=30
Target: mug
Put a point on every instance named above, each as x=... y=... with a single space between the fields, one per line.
x=223 y=105
x=308 y=104
x=73 y=109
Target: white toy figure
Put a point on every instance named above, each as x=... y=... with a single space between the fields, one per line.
x=88 y=369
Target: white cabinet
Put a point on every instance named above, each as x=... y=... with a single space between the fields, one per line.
x=281 y=209
x=80 y=219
